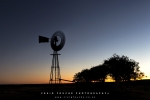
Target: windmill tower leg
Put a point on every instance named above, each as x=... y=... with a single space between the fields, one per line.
x=55 y=70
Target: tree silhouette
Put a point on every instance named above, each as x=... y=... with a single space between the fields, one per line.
x=96 y=73
x=77 y=77
x=82 y=76
x=99 y=73
x=123 y=68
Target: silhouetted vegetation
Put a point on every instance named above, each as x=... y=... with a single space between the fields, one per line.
x=120 y=68
x=82 y=76
x=99 y=73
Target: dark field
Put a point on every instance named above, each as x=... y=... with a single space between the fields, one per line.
x=111 y=90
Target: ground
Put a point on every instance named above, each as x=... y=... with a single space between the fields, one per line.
x=25 y=92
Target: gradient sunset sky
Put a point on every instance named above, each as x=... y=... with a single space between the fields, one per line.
x=94 y=30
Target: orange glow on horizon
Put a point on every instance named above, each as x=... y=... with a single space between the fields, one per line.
x=39 y=79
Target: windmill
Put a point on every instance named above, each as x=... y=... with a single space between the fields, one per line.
x=57 y=42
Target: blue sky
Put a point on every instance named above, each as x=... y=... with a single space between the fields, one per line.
x=94 y=30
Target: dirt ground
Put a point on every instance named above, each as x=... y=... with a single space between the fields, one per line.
x=26 y=93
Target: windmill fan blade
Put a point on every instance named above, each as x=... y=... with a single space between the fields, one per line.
x=61 y=43
x=56 y=39
x=43 y=39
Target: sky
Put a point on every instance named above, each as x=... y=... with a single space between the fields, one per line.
x=94 y=31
